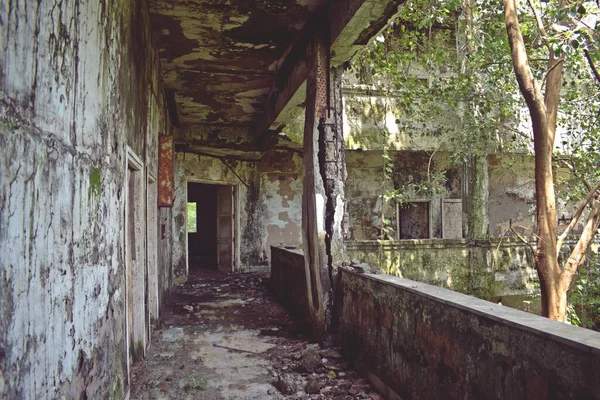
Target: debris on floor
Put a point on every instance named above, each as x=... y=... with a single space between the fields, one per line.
x=225 y=337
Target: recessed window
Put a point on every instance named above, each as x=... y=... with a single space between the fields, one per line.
x=192 y=219
x=414 y=220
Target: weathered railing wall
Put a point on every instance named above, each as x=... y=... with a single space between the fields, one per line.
x=288 y=280
x=424 y=342
x=418 y=341
x=483 y=268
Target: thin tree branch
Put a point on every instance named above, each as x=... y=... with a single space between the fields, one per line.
x=527 y=84
x=577 y=256
x=556 y=64
x=589 y=197
x=592 y=65
x=540 y=24
x=526 y=136
x=584 y=180
x=518 y=235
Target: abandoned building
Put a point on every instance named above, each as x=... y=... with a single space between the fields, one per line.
x=119 y=119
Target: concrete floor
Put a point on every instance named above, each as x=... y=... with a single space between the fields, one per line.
x=225 y=337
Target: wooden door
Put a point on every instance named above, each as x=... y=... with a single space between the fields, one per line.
x=225 y=242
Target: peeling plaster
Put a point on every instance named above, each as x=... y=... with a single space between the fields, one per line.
x=71 y=98
x=217 y=41
x=270 y=209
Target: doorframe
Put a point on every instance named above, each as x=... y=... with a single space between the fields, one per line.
x=151 y=207
x=132 y=163
x=236 y=220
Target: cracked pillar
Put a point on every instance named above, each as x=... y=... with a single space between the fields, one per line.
x=332 y=164
x=337 y=156
x=333 y=173
x=313 y=195
x=324 y=176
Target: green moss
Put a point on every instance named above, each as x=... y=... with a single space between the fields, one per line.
x=426 y=260
x=117 y=392
x=138 y=352
x=195 y=384
x=95 y=184
x=504 y=261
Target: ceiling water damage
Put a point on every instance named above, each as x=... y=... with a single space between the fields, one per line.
x=222 y=61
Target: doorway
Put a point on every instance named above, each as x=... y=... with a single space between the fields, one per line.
x=211 y=226
x=135 y=246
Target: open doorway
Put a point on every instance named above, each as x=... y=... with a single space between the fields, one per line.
x=135 y=246
x=211 y=226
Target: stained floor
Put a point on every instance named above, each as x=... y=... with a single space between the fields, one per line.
x=225 y=337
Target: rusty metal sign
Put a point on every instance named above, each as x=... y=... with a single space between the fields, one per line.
x=166 y=178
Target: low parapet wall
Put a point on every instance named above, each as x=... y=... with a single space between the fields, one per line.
x=288 y=280
x=426 y=342
x=488 y=269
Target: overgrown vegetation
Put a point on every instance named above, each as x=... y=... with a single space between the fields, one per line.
x=584 y=296
x=446 y=71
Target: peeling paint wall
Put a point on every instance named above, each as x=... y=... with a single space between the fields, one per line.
x=365 y=188
x=78 y=82
x=281 y=173
x=270 y=202
x=511 y=190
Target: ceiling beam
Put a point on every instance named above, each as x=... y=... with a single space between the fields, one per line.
x=352 y=23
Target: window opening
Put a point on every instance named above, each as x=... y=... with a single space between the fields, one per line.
x=414 y=220
x=192 y=217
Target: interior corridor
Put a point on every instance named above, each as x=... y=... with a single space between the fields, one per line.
x=225 y=337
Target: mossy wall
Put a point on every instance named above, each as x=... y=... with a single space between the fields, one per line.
x=80 y=89
x=486 y=269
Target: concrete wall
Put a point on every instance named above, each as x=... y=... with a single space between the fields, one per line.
x=79 y=81
x=511 y=190
x=288 y=280
x=270 y=202
x=425 y=342
x=364 y=187
x=486 y=269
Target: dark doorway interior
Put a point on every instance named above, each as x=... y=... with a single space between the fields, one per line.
x=202 y=232
x=414 y=220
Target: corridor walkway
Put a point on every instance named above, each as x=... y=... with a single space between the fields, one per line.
x=225 y=337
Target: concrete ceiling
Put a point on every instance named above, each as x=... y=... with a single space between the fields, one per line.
x=222 y=60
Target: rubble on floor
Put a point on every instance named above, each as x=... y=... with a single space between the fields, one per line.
x=225 y=337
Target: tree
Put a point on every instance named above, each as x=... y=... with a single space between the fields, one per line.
x=554 y=55
x=571 y=33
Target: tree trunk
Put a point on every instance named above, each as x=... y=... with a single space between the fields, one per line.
x=543 y=118
x=577 y=256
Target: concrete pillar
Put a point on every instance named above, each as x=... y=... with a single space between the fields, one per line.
x=333 y=173
x=313 y=196
x=475 y=197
